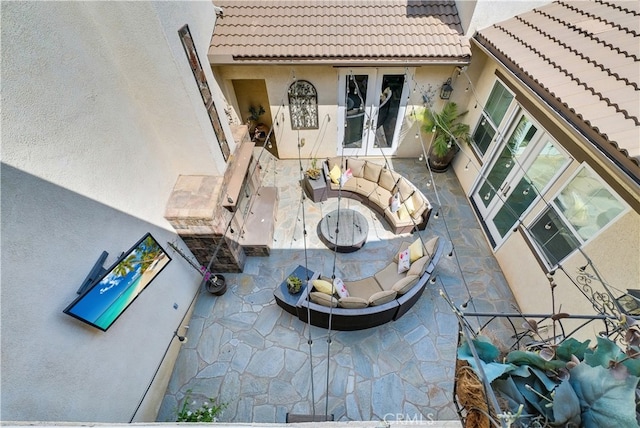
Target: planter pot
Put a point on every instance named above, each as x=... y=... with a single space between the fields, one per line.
x=441 y=163
x=217 y=285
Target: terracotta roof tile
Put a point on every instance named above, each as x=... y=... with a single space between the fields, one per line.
x=333 y=30
x=583 y=57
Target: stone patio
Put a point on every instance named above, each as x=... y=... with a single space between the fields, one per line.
x=248 y=352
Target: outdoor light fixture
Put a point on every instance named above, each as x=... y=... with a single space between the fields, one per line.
x=446 y=89
x=182 y=339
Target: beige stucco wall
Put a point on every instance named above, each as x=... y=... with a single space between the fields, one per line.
x=100 y=113
x=323 y=142
x=615 y=251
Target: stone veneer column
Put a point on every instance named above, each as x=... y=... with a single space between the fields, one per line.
x=195 y=211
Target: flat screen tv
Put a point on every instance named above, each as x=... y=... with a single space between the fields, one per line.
x=118 y=286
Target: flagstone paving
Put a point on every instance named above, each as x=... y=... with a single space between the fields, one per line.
x=265 y=363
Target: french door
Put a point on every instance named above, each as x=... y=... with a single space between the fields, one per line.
x=522 y=167
x=371 y=105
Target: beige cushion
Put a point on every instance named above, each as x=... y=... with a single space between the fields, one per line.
x=372 y=171
x=382 y=297
x=380 y=197
x=430 y=246
x=417 y=267
x=363 y=288
x=405 y=284
x=416 y=250
x=387 y=179
x=351 y=185
x=353 y=302
x=335 y=173
x=357 y=167
x=402 y=213
x=395 y=221
x=323 y=299
x=405 y=188
x=323 y=286
x=388 y=276
x=365 y=187
x=419 y=205
x=336 y=160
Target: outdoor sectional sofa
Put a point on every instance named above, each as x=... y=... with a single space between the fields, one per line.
x=372 y=301
x=374 y=185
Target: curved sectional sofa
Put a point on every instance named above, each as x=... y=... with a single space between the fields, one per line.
x=374 y=185
x=372 y=301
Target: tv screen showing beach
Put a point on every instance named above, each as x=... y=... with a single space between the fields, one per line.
x=119 y=286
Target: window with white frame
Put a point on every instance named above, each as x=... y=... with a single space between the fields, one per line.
x=492 y=114
x=579 y=212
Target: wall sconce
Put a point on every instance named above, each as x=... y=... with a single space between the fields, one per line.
x=446 y=89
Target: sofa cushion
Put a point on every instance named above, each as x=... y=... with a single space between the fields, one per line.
x=405 y=188
x=408 y=203
x=357 y=166
x=353 y=302
x=382 y=297
x=372 y=171
x=388 y=276
x=405 y=284
x=364 y=186
x=387 y=179
x=335 y=173
x=323 y=299
x=395 y=221
x=417 y=267
x=419 y=205
x=363 y=288
x=323 y=286
x=380 y=197
x=351 y=185
x=336 y=160
x=430 y=246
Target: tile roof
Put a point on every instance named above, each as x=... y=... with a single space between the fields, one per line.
x=581 y=57
x=267 y=31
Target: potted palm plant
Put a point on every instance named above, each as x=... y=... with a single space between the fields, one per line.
x=446 y=129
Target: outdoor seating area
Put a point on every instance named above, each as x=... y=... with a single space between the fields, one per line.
x=371 y=301
x=250 y=352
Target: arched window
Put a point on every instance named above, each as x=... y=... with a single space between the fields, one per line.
x=303 y=105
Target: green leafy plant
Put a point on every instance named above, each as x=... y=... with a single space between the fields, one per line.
x=294 y=284
x=574 y=385
x=446 y=128
x=208 y=411
x=313 y=171
x=255 y=113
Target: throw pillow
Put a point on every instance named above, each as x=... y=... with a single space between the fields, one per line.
x=335 y=174
x=415 y=250
x=394 y=202
x=430 y=246
x=323 y=286
x=340 y=288
x=403 y=214
x=403 y=261
x=409 y=205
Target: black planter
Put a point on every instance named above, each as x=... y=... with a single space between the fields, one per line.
x=216 y=285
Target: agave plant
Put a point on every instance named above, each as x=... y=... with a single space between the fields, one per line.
x=447 y=130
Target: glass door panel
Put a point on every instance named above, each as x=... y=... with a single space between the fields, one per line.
x=510 y=155
x=371 y=108
x=537 y=175
x=356 y=102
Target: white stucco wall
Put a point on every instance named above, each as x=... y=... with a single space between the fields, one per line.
x=478 y=14
x=100 y=114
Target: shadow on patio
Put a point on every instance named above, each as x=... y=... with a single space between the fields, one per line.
x=251 y=354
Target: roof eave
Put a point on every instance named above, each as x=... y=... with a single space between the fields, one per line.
x=630 y=166
x=217 y=60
